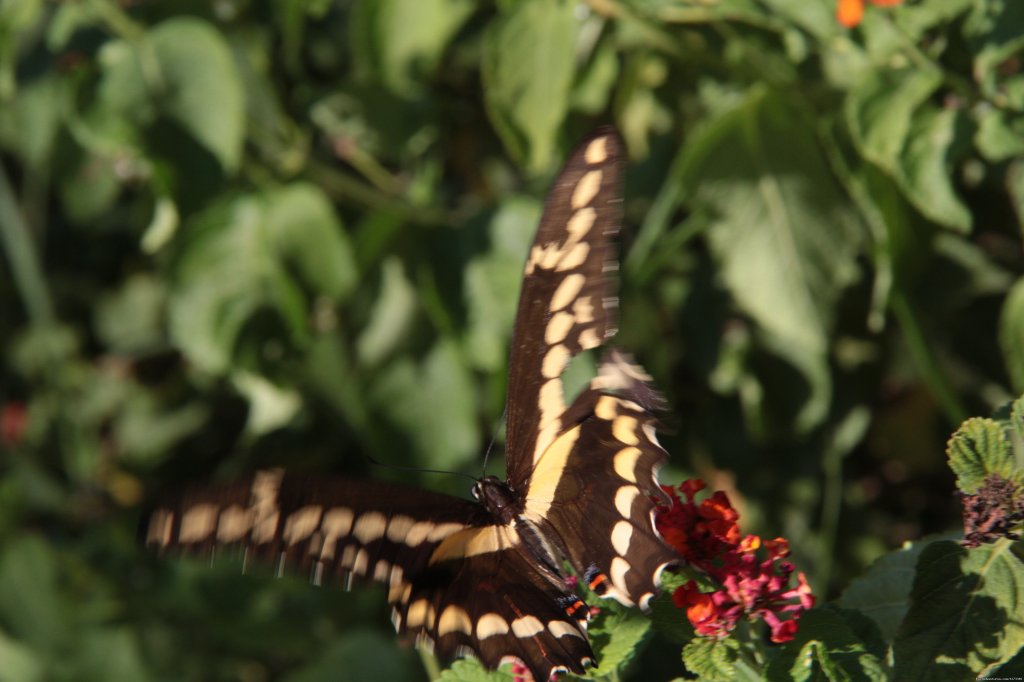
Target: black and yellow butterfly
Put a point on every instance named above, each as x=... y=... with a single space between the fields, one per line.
x=487 y=577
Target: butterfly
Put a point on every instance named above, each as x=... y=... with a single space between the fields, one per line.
x=487 y=576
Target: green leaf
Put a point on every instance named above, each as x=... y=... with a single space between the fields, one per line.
x=977 y=449
x=19 y=663
x=1011 y=333
x=964 y=614
x=615 y=636
x=392 y=316
x=362 y=654
x=111 y=653
x=30 y=603
x=254 y=255
x=936 y=139
x=993 y=33
x=200 y=87
x=880 y=110
x=883 y=592
x=785 y=236
x=434 y=401
x=1000 y=136
x=401 y=41
x=130 y=320
x=527 y=73
x=826 y=647
x=492 y=282
x=309 y=238
x=472 y=670
x=710 y=659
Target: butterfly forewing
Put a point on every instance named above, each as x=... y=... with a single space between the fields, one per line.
x=567 y=303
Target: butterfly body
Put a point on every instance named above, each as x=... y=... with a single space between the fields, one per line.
x=488 y=577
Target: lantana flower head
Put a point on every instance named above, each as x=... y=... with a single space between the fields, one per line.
x=753 y=573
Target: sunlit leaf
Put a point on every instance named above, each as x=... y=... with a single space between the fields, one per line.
x=977 y=449
x=785 y=236
x=199 y=86
x=527 y=73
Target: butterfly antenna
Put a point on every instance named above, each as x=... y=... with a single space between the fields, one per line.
x=418 y=470
x=490 y=446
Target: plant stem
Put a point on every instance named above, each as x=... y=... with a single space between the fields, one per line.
x=21 y=255
x=925 y=359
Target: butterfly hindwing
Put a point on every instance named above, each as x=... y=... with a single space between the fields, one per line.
x=594 y=487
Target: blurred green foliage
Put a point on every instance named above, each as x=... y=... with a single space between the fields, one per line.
x=237 y=234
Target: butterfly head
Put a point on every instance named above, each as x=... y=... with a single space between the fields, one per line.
x=496 y=496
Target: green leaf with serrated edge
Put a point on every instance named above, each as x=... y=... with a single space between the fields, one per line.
x=937 y=137
x=882 y=593
x=710 y=659
x=615 y=635
x=964 y=617
x=785 y=236
x=880 y=111
x=527 y=72
x=471 y=670
x=199 y=86
x=1011 y=334
x=977 y=449
x=827 y=647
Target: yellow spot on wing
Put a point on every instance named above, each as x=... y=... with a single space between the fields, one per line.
x=301 y=523
x=554 y=361
x=624 y=497
x=527 y=626
x=558 y=327
x=597 y=151
x=625 y=428
x=622 y=534
x=160 y=525
x=625 y=463
x=454 y=619
x=197 y=522
x=561 y=628
x=234 y=523
x=618 y=573
x=336 y=524
x=474 y=541
x=567 y=291
x=586 y=189
x=580 y=223
x=491 y=624
x=369 y=527
x=547 y=473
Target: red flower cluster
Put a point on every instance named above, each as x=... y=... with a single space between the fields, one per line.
x=708 y=537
